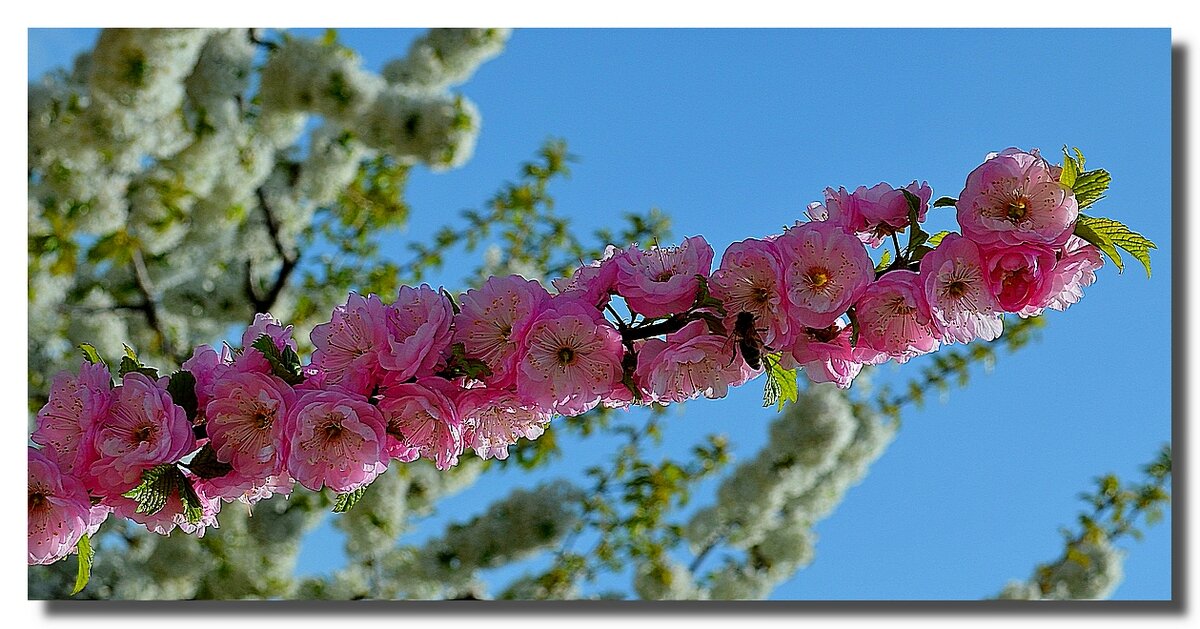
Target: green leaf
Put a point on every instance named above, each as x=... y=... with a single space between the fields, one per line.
x=1090 y=186
x=781 y=386
x=1108 y=234
x=156 y=487
x=182 y=387
x=130 y=364
x=945 y=202
x=884 y=260
x=346 y=501
x=285 y=364
x=193 y=510
x=1070 y=169
x=459 y=364
x=90 y=354
x=205 y=463
x=84 y=572
x=936 y=239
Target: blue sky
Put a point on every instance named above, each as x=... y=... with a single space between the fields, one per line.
x=733 y=132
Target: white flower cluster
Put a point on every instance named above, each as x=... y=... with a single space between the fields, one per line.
x=664 y=580
x=446 y=57
x=818 y=448
x=1091 y=574
x=155 y=141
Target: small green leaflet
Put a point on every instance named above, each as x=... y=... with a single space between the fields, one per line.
x=131 y=364
x=1108 y=234
x=945 y=202
x=84 y=573
x=781 y=384
x=284 y=364
x=90 y=354
x=1090 y=186
x=157 y=486
x=346 y=501
x=182 y=387
x=884 y=260
x=205 y=463
x=1070 y=168
x=936 y=239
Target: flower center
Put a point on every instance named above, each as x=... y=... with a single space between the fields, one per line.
x=663 y=276
x=142 y=434
x=956 y=289
x=37 y=500
x=817 y=277
x=263 y=418
x=333 y=427
x=566 y=356
x=1016 y=209
x=760 y=295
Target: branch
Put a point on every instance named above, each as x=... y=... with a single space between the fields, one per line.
x=287 y=266
x=150 y=304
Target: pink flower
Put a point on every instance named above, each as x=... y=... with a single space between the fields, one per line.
x=874 y=213
x=1013 y=198
x=825 y=354
x=75 y=403
x=894 y=318
x=252 y=359
x=1019 y=276
x=418 y=330
x=595 y=282
x=245 y=489
x=689 y=363
x=959 y=297
x=350 y=342
x=336 y=440
x=246 y=420
x=825 y=271
x=1076 y=268
x=422 y=421
x=141 y=430
x=493 y=321
x=205 y=365
x=750 y=279
x=572 y=358
x=172 y=514
x=494 y=419
x=662 y=281
x=58 y=509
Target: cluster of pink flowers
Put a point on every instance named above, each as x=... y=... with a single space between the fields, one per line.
x=430 y=376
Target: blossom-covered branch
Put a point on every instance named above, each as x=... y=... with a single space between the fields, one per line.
x=431 y=375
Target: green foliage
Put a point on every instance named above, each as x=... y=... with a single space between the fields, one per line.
x=346 y=501
x=158 y=485
x=285 y=363
x=458 y=364
x=884 y=260
x=131 y=364
x=90 y=354
x=84 y=566
x=205 y=463
x=1108 y=234
x=945 y=202
x=781 y=386
x=182 y=387
x=936 y=239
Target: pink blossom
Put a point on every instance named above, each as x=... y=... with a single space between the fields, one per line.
x=418 y=330
x=350 y=342
x=894 y=318
x=141 y=430
x=572 y=358
x=959 y=298
x=205 y=365
x=595 y=282
x=494 y=419
x=874 y=213
x=662 y=281
x=422 y=421
x=246 y=420
x=1013 y=198
x=245 y=489
x=1076 y=268
x=825 y=355
x=336 y=440
x=75 y=403
x=825 y=271
x=689 y=363
x=493 y=321
x=252 y=359
x=58 y=509
x=172 y=515
x=1019 y=276
x=750 y=279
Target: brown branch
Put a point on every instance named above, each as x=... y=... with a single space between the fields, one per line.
x=288 y=261
x=150 y=303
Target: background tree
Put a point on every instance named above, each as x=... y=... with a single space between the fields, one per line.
x=360 y=152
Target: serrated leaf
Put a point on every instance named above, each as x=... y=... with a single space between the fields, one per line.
x=129 y=351
x=1108 y=234
x=945 y=202
x=131 y=365
x=205 y=463
x=285 y=364
x=90 y=354
x=781 y=386
x=346 y=501
x=1090 y=186
x=884 y=260
x=182 y=387
x=84 y=571
x=193 y=509
x=936 y=239
x=1070 y=169
x=154 y=490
